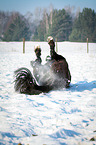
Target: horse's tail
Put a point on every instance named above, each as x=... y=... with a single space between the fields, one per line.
x=25 y=83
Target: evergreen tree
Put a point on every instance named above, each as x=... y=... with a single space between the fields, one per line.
x=61 y=25
x=17 y=30
x=84 y=26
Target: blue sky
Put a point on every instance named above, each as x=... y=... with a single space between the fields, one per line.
x=23 y=6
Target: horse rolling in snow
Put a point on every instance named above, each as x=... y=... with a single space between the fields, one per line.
x=54 y=74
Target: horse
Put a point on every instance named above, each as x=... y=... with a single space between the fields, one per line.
x=53 y=75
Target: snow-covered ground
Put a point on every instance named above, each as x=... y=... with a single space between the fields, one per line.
x=62 y=117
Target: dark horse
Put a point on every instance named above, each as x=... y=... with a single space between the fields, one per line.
x=54 y=74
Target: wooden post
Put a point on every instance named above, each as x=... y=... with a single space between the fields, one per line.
x=56 y=45
x=87 y=46
x=23 y=45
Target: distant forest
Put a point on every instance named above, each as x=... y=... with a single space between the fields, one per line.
x=63 y=25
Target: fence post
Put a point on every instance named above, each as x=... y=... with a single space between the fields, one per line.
x=87 y=46
x=23 y=45
x=56 y=45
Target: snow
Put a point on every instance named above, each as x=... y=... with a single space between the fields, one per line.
x=61 y=117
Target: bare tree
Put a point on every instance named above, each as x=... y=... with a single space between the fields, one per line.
x=51 y=13
x=45 y=16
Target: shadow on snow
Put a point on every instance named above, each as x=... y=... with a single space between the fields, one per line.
x=11 y=137
x=82 y=86
x=64 y=133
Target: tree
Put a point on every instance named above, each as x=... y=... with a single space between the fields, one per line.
x=84 y=26
x=57 y=23
x=42 y=28
x=61 y=25
x=17 y=30
x=4 y=21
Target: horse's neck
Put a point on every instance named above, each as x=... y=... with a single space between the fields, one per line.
x=52 y=52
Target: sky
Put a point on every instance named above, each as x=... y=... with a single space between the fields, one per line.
x=24 y=6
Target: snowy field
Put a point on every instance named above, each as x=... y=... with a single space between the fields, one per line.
x=62 y=117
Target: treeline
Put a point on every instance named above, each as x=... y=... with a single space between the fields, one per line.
x=60 y=24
